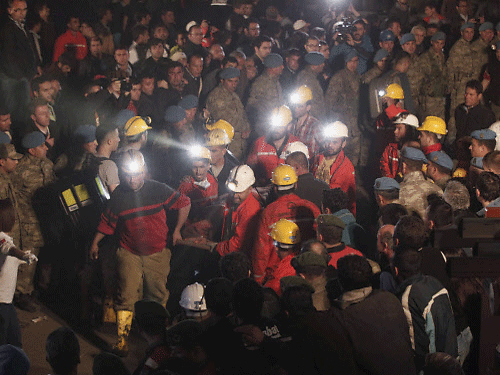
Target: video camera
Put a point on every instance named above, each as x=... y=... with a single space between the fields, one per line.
x=344 y=27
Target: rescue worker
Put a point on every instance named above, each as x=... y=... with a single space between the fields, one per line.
x=439 y=168
x=333 y=166
x=143 y=259
x=405 y=131
x=460 y=68
x=241 y=213
x=433 y=78
x=136 y=133
x=286 y=243
x=414 y=189
x=223 y=103
x=33 y=172
x=305 y=126
x=201 y=187
x=315 y=63
x=431 y=133
x=288 y=206
x=329 y=230
x=267 y=152
x=220 y=164
x=342 y=98
x=265 y=93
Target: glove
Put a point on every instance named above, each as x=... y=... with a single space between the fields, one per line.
x=29 y=257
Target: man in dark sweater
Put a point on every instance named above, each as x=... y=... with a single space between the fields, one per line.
x=136 y=212
x=374 y=320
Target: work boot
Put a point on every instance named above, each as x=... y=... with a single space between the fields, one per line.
x=123 y=322
x=108 y=311
x=25 y=302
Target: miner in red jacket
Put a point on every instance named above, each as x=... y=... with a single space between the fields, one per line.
x=241 y=213
x=286 y=242
x=267 y=152
x=287 y=206
x=332 y=166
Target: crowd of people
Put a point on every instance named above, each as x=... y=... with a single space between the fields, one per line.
x=258 y=187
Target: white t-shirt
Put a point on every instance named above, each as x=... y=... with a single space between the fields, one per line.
x=8 y=269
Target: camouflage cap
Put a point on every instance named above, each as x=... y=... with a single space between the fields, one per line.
x=385 y=183
x=7 y=150
x=483 y=135
x=290 y=281
x=330 y=220
x=441 y=158
x=309 y=258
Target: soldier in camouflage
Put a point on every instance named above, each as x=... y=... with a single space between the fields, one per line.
x=223 y=103
x=414 y=189
x=409 y=45
x=380 y=63
x=342 y=100
x=432 y=78
x=315 y=63
x=33 y=172
x=482 y=47
x=265 y=93
x=460 y=69
x=9 y=159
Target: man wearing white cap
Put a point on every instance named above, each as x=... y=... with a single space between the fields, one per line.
x=240 y=214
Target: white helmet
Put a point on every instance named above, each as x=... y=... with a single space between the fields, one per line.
x=294 y=147
x=496 y=128
x=193 y=299
x=240 y=178
x=407 y=119
x=336 y=130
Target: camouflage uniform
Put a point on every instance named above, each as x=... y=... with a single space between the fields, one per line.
x=460 y=68
x=414 y=191
x=480 y=53
x=7 y=191
x=371 y=74
x=412 y=75
x=432 y=83
x=342 y=102
x=265 y=95
x=226 y=105
x=309 y=78
x=31 y=174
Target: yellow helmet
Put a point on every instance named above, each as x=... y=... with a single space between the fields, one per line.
x=217 y=137
x=285 y=232
x=434 y=124
x=460 y=172
x=137 y=125
x=132 y=162
x=224 y=125
x=199 y=152
x=284 y=177
x=281 y=116
x=394 y=91
x=302 y=95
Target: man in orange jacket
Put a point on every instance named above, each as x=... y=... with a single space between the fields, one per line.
x=287 y=206
x=241 y=213
x=332 y=166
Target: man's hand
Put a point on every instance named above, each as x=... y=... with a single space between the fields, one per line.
x=94 y=252
x=29 y=257
x=163 y=84
x=176 y=236
x=251 y=334
x=350 y=40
